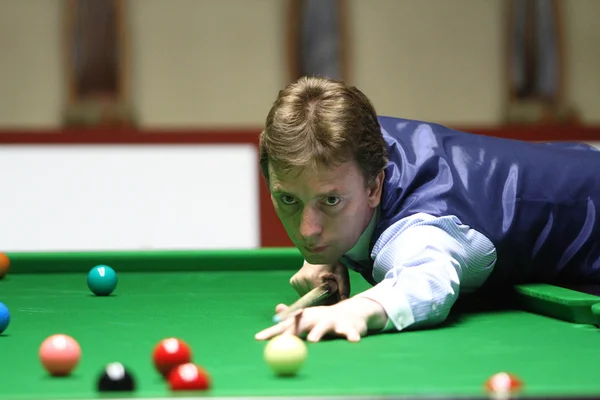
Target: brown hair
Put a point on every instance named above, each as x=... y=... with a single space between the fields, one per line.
x=319 y=121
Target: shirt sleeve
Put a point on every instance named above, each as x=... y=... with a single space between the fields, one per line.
x=421 y=263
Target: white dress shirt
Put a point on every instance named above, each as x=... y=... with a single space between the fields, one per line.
x=420 y=265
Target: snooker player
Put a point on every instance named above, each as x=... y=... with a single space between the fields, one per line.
x=423 y=212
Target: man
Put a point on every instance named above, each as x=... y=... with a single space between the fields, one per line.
x=422 y=211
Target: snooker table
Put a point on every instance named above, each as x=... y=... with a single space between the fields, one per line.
x=217 y=300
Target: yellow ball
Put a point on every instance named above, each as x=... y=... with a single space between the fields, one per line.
x=285 y=354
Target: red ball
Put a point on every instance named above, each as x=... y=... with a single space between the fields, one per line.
x=189 y=377
x=170 y=353
x=503 y=383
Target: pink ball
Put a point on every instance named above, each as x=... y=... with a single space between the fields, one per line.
x=60 y=354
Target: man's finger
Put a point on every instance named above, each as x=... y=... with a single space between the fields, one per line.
x=319 y=330
x=343 y=282
x=297 y=320
x=351 y=334
x=333 y=281
x=301 y=288
x=274 y=330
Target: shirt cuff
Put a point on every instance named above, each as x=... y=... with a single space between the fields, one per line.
x=394 y=303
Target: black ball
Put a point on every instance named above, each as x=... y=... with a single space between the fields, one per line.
x=116 y=378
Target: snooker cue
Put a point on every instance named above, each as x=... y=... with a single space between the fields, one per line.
x=312 y=298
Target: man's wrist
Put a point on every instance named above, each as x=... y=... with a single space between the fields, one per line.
x=373 y=312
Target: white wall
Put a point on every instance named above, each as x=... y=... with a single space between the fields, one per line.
x=221 y=62
x=128 y=197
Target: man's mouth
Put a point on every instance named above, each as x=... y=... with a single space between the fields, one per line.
x=316 y=249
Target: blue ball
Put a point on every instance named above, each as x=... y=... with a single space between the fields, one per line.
x=102 y=280
x=4 y=317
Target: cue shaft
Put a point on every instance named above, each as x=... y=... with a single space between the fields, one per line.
x=315 y=297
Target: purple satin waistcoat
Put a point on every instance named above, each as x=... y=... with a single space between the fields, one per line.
x=536 y=202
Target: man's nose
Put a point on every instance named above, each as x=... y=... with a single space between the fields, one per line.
x=310 y=225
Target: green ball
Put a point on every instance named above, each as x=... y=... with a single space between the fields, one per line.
x=102 y=280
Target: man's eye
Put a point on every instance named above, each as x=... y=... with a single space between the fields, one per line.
x=332 y=200
x=287 y=200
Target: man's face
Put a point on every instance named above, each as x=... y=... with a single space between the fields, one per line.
x=324 y=210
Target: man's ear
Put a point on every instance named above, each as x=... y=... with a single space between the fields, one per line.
x=375 y=190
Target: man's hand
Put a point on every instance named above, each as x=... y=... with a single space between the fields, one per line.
x=351 y=318
x=311 y=276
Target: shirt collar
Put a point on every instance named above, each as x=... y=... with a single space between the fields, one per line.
x=360 y=251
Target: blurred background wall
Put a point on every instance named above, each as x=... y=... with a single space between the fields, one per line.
x=221 y=62
x=215 y=66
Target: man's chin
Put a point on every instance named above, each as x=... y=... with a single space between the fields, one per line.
x=319 y=258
